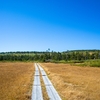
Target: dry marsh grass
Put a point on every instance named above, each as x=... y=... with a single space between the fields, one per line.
x=16 y=80
x=74 y=82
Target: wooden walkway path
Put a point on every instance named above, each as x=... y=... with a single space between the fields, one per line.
x=37 y=92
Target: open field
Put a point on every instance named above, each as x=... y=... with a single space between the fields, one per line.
x=71 y=82
x=74 y=82
x=16 y=80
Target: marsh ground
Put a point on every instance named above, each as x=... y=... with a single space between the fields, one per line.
x=74 y=82
x=71 y=82
x=16 y=80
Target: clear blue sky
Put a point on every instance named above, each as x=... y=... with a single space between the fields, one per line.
x=36 y=25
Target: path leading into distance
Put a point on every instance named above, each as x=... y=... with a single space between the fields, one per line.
x=37 y=91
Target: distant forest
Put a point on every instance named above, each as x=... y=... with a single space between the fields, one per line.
x=48 y=56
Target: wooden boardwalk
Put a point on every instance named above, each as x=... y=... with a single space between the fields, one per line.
x=37 y=92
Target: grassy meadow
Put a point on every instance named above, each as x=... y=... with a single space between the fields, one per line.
x=89 y=63
x=16 y=79
x=71 y=81
x=74 y=82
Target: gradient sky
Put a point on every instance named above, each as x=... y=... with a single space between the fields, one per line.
x=36 y=25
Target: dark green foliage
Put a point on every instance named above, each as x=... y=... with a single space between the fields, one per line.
x=76 y=56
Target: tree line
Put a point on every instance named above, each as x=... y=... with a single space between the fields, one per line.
x=78 y=55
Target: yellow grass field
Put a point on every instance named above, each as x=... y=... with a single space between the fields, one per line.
x=73 y=82
x=16 y=80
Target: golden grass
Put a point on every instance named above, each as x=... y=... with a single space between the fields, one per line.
x=73 y=82
x=16 y=80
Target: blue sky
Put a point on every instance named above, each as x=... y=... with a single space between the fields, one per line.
x=36 y=25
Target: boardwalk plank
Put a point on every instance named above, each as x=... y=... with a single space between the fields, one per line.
x=46 y=80
x=56 y=95
x=43 y=73
x=37 y=80
x=36 y=68
x=37 y=93
x=37 y=73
